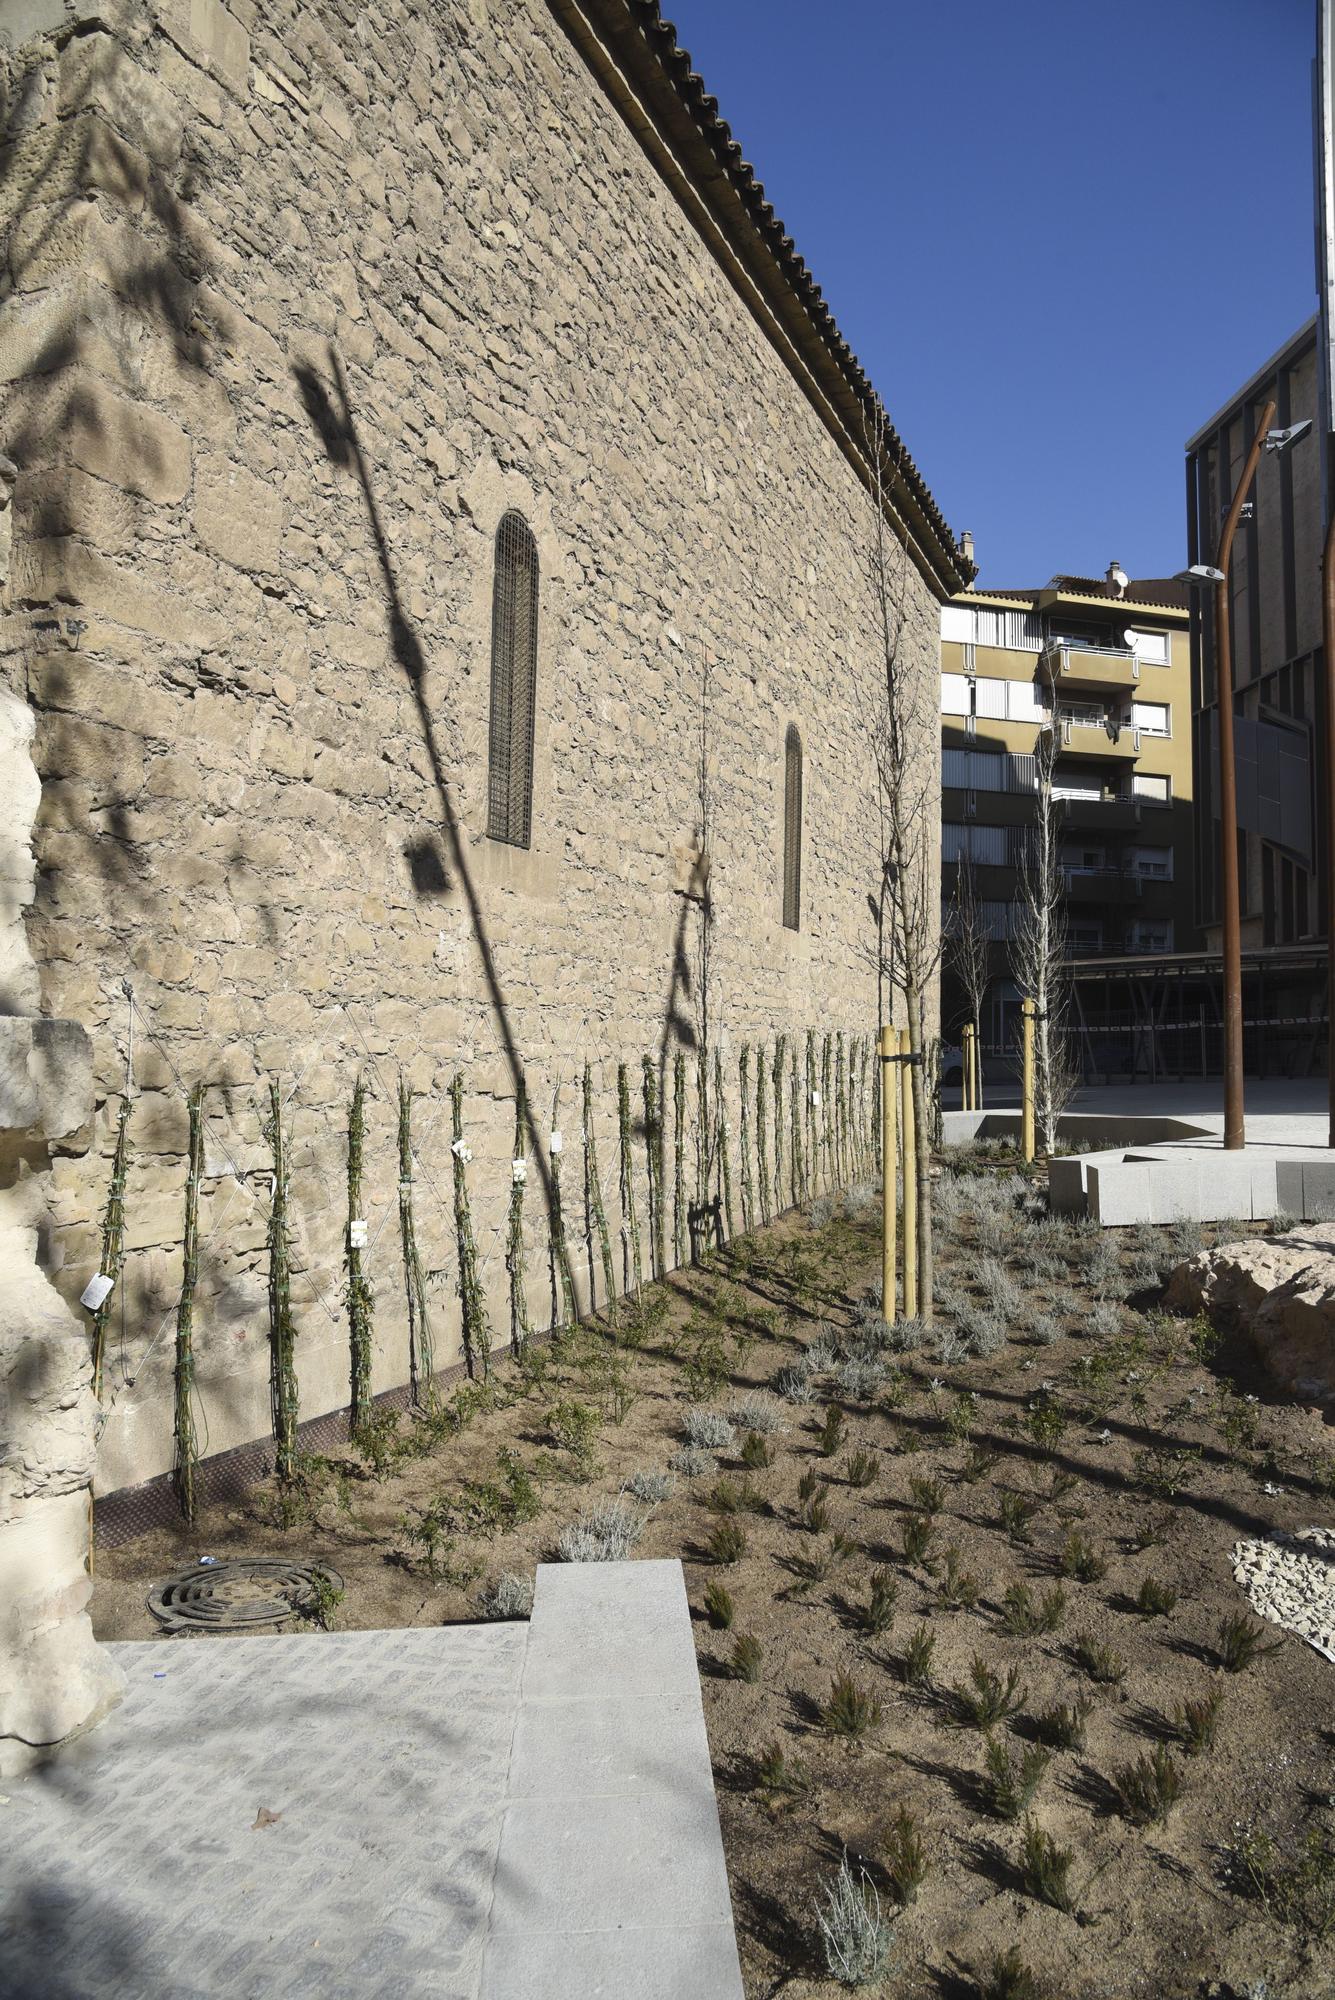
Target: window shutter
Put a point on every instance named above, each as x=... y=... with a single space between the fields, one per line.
x=514 y=675
x=792 y=830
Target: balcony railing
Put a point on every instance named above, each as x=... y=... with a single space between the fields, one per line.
x=1107 y=666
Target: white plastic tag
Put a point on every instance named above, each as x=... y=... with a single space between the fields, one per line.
x=96 y=1291
x=555 y=1142
x=357 y=1234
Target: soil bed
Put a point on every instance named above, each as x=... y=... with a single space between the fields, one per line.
x=1068 y=1425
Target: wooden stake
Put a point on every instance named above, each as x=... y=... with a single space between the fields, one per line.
x=909 y=1177
x=887 y=1049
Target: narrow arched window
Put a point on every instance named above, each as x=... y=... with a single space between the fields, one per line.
x=792 y=829
x=514 y=677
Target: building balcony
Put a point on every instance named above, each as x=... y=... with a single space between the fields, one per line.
x=1110 y=667
x=1096 y=888
x=1087 y=732
x=1115 y=812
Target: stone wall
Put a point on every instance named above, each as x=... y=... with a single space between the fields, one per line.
x=304 y=296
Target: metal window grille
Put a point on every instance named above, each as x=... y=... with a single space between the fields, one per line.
x=514 y=676
x=792 y=830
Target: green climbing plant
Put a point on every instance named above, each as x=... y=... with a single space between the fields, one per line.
x=654 y=1150
x=472 y=1305
x=361 y=1302
x=186 y=1467
x=780 y=1050
x=799 y=1166
x=744 y=1137
x=630 y=1227
x=764 y=1179
x=283 y=1395
x=595 y=1215
x=564 y=1311
x=113 y=1240
x=421 y=1349
x=679 y=1165
x=724 y=1163
x=520 y=1326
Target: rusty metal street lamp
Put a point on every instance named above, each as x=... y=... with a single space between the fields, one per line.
x=1271 y=440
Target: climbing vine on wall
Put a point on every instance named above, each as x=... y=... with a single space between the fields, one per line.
x=744 y=1137
x=361 y=1302
x=724 y=1165
x=113 y=1240
x=282 y=1334
x=475 y=1330
x=187 y=1444
x=520 y=1325
x=633 y=1276
x=595 y=1215
x=679 y=1161
x=654 y=1152
x=777 y=1076
x=421 y=1354
x=564 y=1312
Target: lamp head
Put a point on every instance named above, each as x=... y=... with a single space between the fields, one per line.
x=1280 y=440
x=1200 y=576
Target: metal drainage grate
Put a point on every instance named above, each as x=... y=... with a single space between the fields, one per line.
x=233 y=1596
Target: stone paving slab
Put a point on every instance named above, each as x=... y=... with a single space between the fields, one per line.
x=442 y=1830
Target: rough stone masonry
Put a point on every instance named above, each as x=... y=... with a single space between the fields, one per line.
x=301 y=298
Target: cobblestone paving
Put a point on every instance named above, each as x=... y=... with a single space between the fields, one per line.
x=410 y=1853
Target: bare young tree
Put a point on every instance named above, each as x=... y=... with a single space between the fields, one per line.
x=1039 y=939
x=907 y=740
x=969 y=948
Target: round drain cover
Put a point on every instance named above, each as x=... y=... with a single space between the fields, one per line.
x=232 y=1596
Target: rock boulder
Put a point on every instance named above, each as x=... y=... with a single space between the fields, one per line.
x=1282 y=1289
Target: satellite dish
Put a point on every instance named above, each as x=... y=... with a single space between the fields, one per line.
x=1129 y=638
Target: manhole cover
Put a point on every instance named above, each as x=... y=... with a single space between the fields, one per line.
x=231 y=1596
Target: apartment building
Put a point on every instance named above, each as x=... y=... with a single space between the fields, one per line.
x=1107 y=661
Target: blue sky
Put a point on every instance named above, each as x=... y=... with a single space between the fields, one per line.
x=1022 y=218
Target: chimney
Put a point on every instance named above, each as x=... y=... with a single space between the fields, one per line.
x=1116 y=579
x=966 y=546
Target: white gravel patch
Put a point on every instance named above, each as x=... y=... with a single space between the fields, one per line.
x=1290 y=1579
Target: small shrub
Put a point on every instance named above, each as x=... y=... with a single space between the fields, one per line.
x=719 y=1607
x=919 y=1536
x=1100 y=1662
x=1240 y=1641
x=1017 y=1512
x=776 y=1771
x=1044 y=1330
x=747 y=1656
x=1155 y=1599
x=1046 y=1869
x=851 y=1710
x=998 y=1287
x=1063 y=1726
x=905 y=1857
x=574 y=1428
x=692 y=1461
x=1023 y=1618
x=930 y=1495
x=916 y=1665
x=1011 y=1782
x=861 y=1468
x=958 y=1589
x=606 y=1533
x=1011 y=1979
x=757 y=1452
x=876 y=1614
x=815 y=1513
x=1298 y=1889
x=1079 y=1559
x=989 y=1699
x=1148 y=1789
x=832 y=1432
x=794 y=1384
x=855 y=1937
x=1198 y=1721
x=727 y=1544
x=1165 y=1474
x=1153 y=1532
x=810 y=1483
x=707 y=1430
x=650 y=1487
x=982 y=1331
x=1104 y=1322
x=978 y=1464
x=757 y=1415
x=858 y=1377
x=729 y=1496
x=511 y=1596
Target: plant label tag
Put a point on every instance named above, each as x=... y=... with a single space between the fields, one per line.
x=357 y=1235
x=555 y=1142
x=96 y=1291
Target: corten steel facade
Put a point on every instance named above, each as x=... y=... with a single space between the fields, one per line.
x=1277 y=660
x=1116 y=668
x=426 y=437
